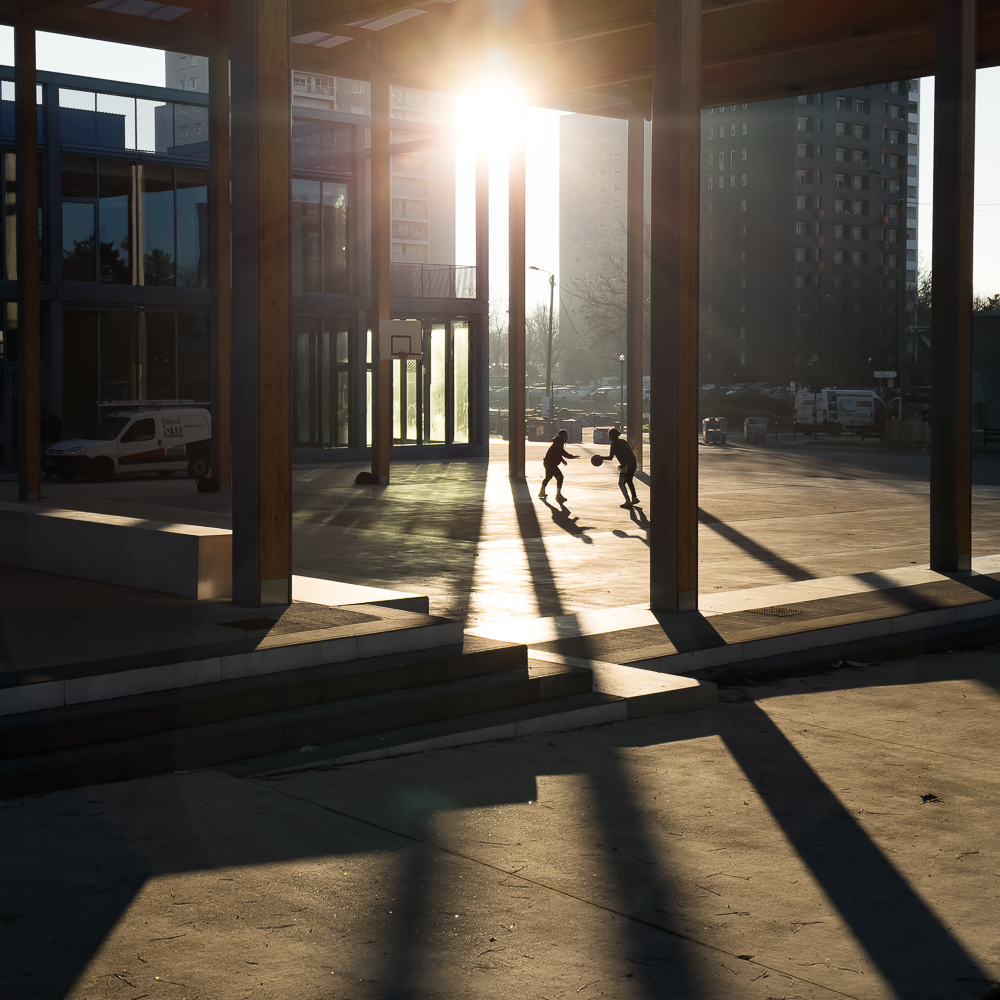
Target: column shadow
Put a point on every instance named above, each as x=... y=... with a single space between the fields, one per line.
x=760 y=552
x=547 y=595
x=891 y=922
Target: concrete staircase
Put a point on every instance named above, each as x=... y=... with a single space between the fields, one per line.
x=357 y=709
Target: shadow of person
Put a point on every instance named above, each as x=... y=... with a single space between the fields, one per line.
x=638 y=515
x=561 y=516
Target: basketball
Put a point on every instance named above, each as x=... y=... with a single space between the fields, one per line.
x=596 y=460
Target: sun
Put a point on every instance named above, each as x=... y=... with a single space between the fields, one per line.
x=492 y=117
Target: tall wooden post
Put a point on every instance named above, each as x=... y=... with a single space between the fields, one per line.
x=951 y=289
x=516 y=316
x=634 y=290
x=29 y=319
x=481 y=387
x=261 y=184
x=381 y=245
x=219 y=243
x=673 y=349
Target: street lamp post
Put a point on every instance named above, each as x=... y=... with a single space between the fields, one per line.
x=548 y=350
x=621 y=386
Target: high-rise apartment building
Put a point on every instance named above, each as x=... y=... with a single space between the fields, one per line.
x=808 y=235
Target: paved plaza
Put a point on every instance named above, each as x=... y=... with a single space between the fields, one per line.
x=830 y=836
x=483 y=549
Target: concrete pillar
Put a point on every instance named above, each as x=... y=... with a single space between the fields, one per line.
x=219 y=244
x=673 y=352
x=516 y=303
x=635 y=293
x=951 y=292
x=261 y=185
x=29 y=320
x=381 y=246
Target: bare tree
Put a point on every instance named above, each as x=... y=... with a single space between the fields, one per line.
x=599 y=299
x=536 y=337
x=497 y=322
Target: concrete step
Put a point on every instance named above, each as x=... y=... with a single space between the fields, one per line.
x=267 y=733
x=619 y=693
x=31 y=733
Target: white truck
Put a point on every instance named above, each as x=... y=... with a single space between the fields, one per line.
x=833 y=411
x=161 y=436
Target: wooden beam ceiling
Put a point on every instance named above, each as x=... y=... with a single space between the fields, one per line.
x=578 y=55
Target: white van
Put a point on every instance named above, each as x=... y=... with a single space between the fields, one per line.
x=836 y=410
x=137 y=438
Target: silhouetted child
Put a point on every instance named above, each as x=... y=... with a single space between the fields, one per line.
x=554 y=457
x=622 y=451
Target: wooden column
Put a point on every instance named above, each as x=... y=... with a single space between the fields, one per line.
x=261 y=185
x=516 y=314
x=634 y=291
x=219 y=244
x=29 y=320
x=480 y=385
x=951 y=290
x=381 y=245
x=673 y=349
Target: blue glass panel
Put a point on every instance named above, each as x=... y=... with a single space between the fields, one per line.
x=79 y=259
x=192 y=228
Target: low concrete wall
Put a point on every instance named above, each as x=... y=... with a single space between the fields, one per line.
x=183 y=559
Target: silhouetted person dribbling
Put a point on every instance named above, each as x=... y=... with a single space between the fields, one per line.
x=554 y=457
x=622 y=451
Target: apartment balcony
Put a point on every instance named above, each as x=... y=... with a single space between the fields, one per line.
x=431 y=281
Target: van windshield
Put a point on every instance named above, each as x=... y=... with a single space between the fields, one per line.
x=107 y=430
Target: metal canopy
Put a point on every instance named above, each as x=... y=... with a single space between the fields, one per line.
x=576 y=55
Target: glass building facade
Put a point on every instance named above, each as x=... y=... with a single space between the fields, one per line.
x=126 y=291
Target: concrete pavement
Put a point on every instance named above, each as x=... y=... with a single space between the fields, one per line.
x=483 y=550
x=828 y=836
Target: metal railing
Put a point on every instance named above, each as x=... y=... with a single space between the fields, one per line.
x=432 y=281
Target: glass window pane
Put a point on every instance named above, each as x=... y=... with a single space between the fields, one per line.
x=159 y=361
x=343 y=409
x=368 y=408
x=460 y=358
x=118 y=356
x=335 y=238
x=303 y=396
x=79 y=176
x=437 y=375
x=327 y=431
x=157 y=224
x=307 y=261
x=10 y=226
x=411 y=401
x=116 y=196
x=192 y=228
x=80 y=384
x=397 y=400
x=192 y=356
x=79 y=260
x=343 y=338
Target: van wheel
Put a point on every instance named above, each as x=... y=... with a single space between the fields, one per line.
x=836 y=429
x=100 y=469
x=166 y=473
x=199 y=467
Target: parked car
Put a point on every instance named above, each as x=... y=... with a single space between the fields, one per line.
x=137 y=438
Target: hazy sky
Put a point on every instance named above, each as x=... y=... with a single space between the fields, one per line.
x=112 y=61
